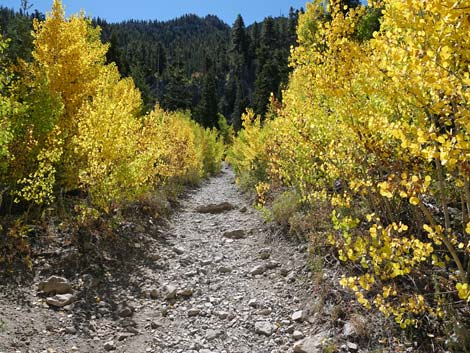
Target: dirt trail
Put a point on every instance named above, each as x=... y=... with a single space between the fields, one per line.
x=198 y=287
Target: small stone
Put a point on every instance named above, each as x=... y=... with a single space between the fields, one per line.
x=291 y=277
x=243 y=209
x=55 y=284
x=185 y=293
x=126 y=311
x=264 y=253
x=298 y=335
x=265 y=311
x=155 y=257
x=215 y=208
x=235 y=234
x=154 y=293
x=154 y=325
x=312 y=344
x=221 y=314
x=354 y=327
x=133 y=330
x=123 y=336
x=194 y=312
x=206 y=262
x=284 y=272
x=253 y=303
x=258 y=270
x=70 y=330
x=109 y=346
x=352 y=346
x=298 y=316
x=213 y=334
x=264 y=328
x=272 y=264
x=60 y=300
x=170 y=292
x=178 y=250
x=224 y=269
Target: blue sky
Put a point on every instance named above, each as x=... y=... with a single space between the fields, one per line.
x=118 y=10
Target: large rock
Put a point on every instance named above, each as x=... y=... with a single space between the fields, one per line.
x=215 y=208
x=264 y=328
x=55 y=284
x=60 y=300
x=235 y=234
x=312 y=344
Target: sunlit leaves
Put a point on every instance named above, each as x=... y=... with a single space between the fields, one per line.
x=381 y=130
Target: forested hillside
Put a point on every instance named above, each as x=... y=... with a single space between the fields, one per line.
x=199 y=64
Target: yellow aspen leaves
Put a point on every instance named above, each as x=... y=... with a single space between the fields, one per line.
x=381 y=131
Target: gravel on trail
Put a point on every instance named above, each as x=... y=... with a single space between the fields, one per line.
x=216 y=280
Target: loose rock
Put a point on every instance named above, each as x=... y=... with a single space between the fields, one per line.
x=311 y=344
x=298 y=335
x=55 y=284
x=258 y=270
x=264 y=253
x=109 y=346
x=298 y=316
x=215 y=208
x=60 y=300
x=169 y=292
x=235 y=234
x=264 y=328
x=193 y=312
x=126 y=311
x=352 y=346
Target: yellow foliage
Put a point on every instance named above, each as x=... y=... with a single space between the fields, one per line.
x=381 y=130
x=70 y=54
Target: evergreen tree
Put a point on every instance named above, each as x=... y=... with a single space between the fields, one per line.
x=177 y=91
x=206 y=112
x=268 y=73
x=239 y=107
x=239 y=43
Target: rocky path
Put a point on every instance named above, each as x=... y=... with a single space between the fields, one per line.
x=216 y=281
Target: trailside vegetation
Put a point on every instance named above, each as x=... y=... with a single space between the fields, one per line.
x=72 y=126
x=375 y=125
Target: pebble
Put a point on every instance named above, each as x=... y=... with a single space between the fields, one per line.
x=264 y=328
x=126 y=311
x=154 y=293
x=265 y=253
x=60 y=300
x=352 y=346
x=55 y=284
x=224 y=269
x=298 y=316
x=258 y=270
x=235 y=234
x=193 y=312
x=170 y=292
x=109 y=346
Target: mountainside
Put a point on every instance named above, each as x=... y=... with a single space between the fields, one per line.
x=193 y=63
